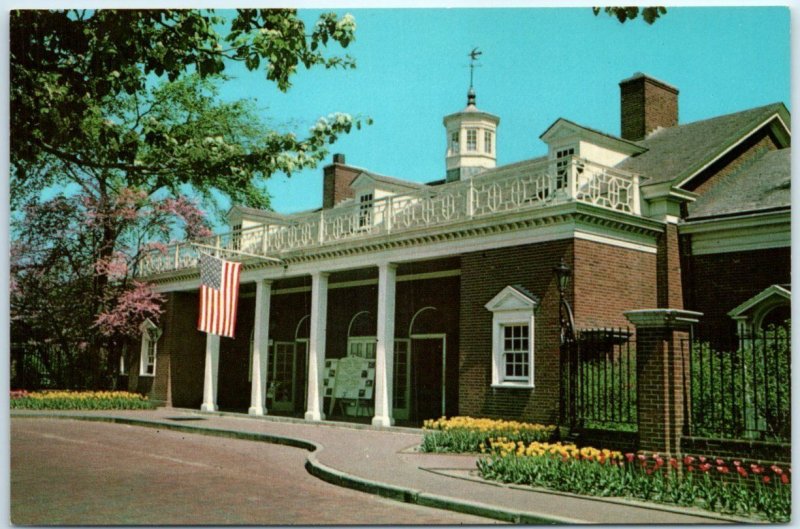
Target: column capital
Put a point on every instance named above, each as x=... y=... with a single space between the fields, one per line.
x=663 y=318
x=388 y=265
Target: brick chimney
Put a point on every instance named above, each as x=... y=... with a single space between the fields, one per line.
x=646 y=104
x=336 y=181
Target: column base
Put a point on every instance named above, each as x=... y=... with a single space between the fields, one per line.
x=314 y=416
x=382 y=421
x=257 y=410
x=206 y=406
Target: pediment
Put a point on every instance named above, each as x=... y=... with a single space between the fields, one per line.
x=770 y=296
x=512 y=298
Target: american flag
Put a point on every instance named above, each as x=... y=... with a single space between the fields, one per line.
x=219 y=295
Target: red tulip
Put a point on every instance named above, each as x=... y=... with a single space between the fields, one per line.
x=690 y=468
x=720 y=461
x=756 y=469
x=776 y=469
x=702 y=459
x=673 y=463
x=784 y=479
x=629 y=456
x=766 y=480
x=742 y=472
x=722 y=469
x=688 y=460
x=737 y=463
x=705 y=467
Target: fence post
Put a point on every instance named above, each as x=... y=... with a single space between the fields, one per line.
x=662 y=376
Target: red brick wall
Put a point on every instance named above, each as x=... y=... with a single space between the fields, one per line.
x=717 y=283
x=336 y=184
x=185 y=346
x=608 y=281
x=749 y=150
x=483 y=275
x=646 y=104
x=668 y=269
x=661 y=372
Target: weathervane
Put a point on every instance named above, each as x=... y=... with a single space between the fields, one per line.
x=473 y=57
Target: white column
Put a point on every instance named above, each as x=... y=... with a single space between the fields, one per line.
x=258 y=395
x=384 y=349
x=316 y=345
x=211 y=375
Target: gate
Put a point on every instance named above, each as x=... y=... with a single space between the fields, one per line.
x=598 y=386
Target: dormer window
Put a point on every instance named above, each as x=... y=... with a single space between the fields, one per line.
x=454 y=142
x=472 y=140
x=365 y=210
x=563 y=159
x=236 y=236
x=487 y=141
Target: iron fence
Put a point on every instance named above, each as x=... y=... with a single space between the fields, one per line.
x=744 y=393
x=48 y=366
x=599 y=370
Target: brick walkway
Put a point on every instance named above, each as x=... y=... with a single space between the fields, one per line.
x=379 y=461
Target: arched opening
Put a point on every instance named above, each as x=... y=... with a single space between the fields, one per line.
x=421 y=367
x=773 y=317
x=287 y=371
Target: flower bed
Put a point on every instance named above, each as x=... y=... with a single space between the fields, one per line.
x=78 y=400
x=715 y=485
x=466 y=434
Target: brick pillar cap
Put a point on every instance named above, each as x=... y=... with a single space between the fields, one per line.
x=664 y=318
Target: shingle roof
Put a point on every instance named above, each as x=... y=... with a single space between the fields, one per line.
x=394 y=181
x=676 y=153
x=765 y=183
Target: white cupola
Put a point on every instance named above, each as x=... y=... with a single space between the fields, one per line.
x=471 y=141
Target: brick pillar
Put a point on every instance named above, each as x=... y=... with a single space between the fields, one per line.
x=668 y=269
x=662 y=375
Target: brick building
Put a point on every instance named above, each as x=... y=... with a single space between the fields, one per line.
x=446 y=290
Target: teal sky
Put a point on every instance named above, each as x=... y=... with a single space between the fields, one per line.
x=538 y=64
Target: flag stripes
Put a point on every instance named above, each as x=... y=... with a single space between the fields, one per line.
x=218 y=305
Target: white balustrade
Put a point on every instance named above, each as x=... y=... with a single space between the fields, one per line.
x=514 y=188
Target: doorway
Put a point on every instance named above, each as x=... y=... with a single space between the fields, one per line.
x=428 y=380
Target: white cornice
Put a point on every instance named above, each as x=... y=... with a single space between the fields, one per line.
x=742 y=233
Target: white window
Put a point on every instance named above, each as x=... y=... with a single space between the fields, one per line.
x=365 y=210
x=147 y=355
x=487 y=141
x=472 y=139
x=512 y=337
x=236 y=236
x=454 y=142
x=563 y=159
x=123 y=369
x=516 y=351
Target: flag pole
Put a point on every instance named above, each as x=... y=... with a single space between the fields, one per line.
x=236 y=252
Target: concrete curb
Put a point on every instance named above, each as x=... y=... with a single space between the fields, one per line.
x=326 y=473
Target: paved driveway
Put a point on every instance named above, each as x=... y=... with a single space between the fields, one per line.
x=71 y=472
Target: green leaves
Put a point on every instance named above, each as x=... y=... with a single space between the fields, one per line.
x=649 y=14
x=65 y=63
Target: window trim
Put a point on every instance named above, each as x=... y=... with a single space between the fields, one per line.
x=487 y=141
x=474 y=145
x=510 y=307
x=455 y=142
x=150 y=335
x=500 y=321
